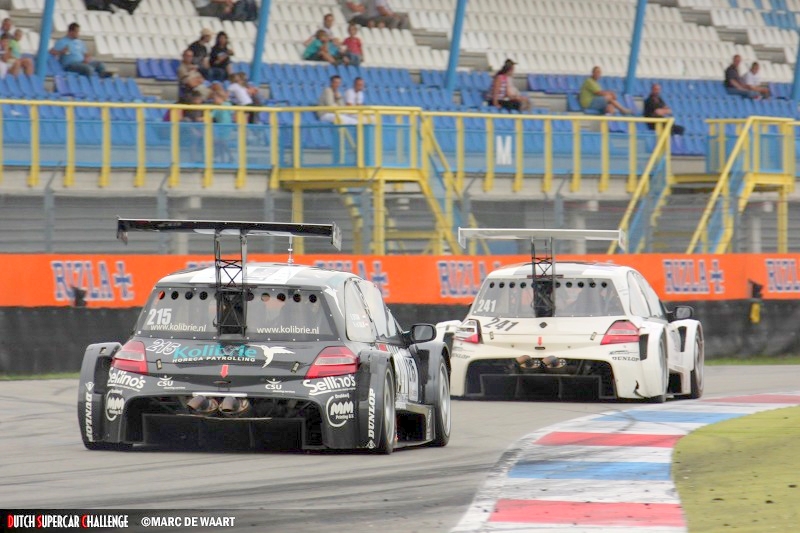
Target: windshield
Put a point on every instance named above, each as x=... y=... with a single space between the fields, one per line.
x=573 y=297
x=273 y=313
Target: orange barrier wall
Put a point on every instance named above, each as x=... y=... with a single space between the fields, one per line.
x=125 y=280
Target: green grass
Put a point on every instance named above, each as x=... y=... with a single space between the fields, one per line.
x=741 y=474
x=766 y=360
x=20 y=377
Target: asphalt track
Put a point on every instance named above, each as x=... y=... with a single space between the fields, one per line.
x=44 y=465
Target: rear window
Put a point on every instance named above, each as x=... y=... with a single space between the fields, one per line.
x=573 y=297
x=273 y=313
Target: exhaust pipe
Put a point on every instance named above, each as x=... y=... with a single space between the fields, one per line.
x=232 y=406
x=202 y=405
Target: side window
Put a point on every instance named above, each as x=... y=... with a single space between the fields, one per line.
x=377 y=309
x=639 y=305
x=653 y=301
x=357 y=322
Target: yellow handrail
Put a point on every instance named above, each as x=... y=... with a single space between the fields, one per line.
x=643 y=185
x=722 y=184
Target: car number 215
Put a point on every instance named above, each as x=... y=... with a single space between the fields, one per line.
x=159 y=317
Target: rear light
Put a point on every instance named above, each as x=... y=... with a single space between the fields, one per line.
x=469 y=331
x=131 y=358
x=620 y=332
x=333 y=361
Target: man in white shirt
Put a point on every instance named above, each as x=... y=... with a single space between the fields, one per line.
x=753 y=81
x=355 y=94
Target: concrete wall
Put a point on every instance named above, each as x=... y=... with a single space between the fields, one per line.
x=41 y=340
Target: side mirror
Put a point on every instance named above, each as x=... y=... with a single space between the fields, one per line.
x=422 y=333
x=682 y=312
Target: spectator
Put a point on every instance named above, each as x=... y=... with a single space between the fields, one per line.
x=193 y=128
x=106 y=5
x=354 y=53
x=186 y=71
x=331 y=97
x=355 y=95
x=734 y=84
x=380 y=12
x=5 y=52
x=593 y=98
x=220 y=59
x=200 y=51
x=71 y=51
x=223 y=132
x=242 y=10
x=319 y=49
x=12 y=55
x=752 y=81
x=503 y=94
x=355 y=12
x=327 y=27
x=7 y=27
x=656 y=107
x=241 y=93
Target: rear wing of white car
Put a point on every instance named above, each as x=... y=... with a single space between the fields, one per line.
x=532 y=234
x=543 y=268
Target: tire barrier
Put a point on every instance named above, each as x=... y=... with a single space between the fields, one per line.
x=39 y=340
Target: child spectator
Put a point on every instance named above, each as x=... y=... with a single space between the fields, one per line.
x=18 y=62
x=241 y=93
x=354 y=52
x=319 y=49
x=224 y=130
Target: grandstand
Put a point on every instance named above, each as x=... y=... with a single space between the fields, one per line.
x=426 y=159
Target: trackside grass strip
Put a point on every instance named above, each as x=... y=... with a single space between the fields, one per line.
x=741 y=475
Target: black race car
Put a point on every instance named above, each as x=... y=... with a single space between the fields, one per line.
x=275 y=355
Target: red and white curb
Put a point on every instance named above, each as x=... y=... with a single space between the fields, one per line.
x=608 y=472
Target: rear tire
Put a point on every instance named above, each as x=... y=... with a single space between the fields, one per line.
x=441 y=407
x=698 y=372
x=388 y=431
x=662 y=356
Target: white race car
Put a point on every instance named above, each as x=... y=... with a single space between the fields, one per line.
x=572 y=331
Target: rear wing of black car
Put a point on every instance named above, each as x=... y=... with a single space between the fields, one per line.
x=226 y=227
x=543 y=266
x=231 y=282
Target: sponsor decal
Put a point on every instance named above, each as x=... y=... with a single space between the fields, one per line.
x=687 y=276
x=276 y=386
x=122 y=379
x=237 y=353
x=224 y=371
x=428 y=428
x=371 y=418
x=114 y=404
x=166 y=383
x=101 y=283
x=270 y=353
x=624 y=358
x=458 y=354
x=339 y=409
x=500 y=324
x=87 y=414
x=782 y=276
x=330 y=384
x=458 y=279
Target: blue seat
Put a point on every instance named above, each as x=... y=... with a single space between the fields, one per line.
x=143 y=69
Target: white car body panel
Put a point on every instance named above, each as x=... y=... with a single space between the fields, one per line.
x=577 y=338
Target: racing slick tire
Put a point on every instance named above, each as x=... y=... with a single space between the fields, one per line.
x=697 y=375
x=441 y=406
x=662 y=357
x=388 y=431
